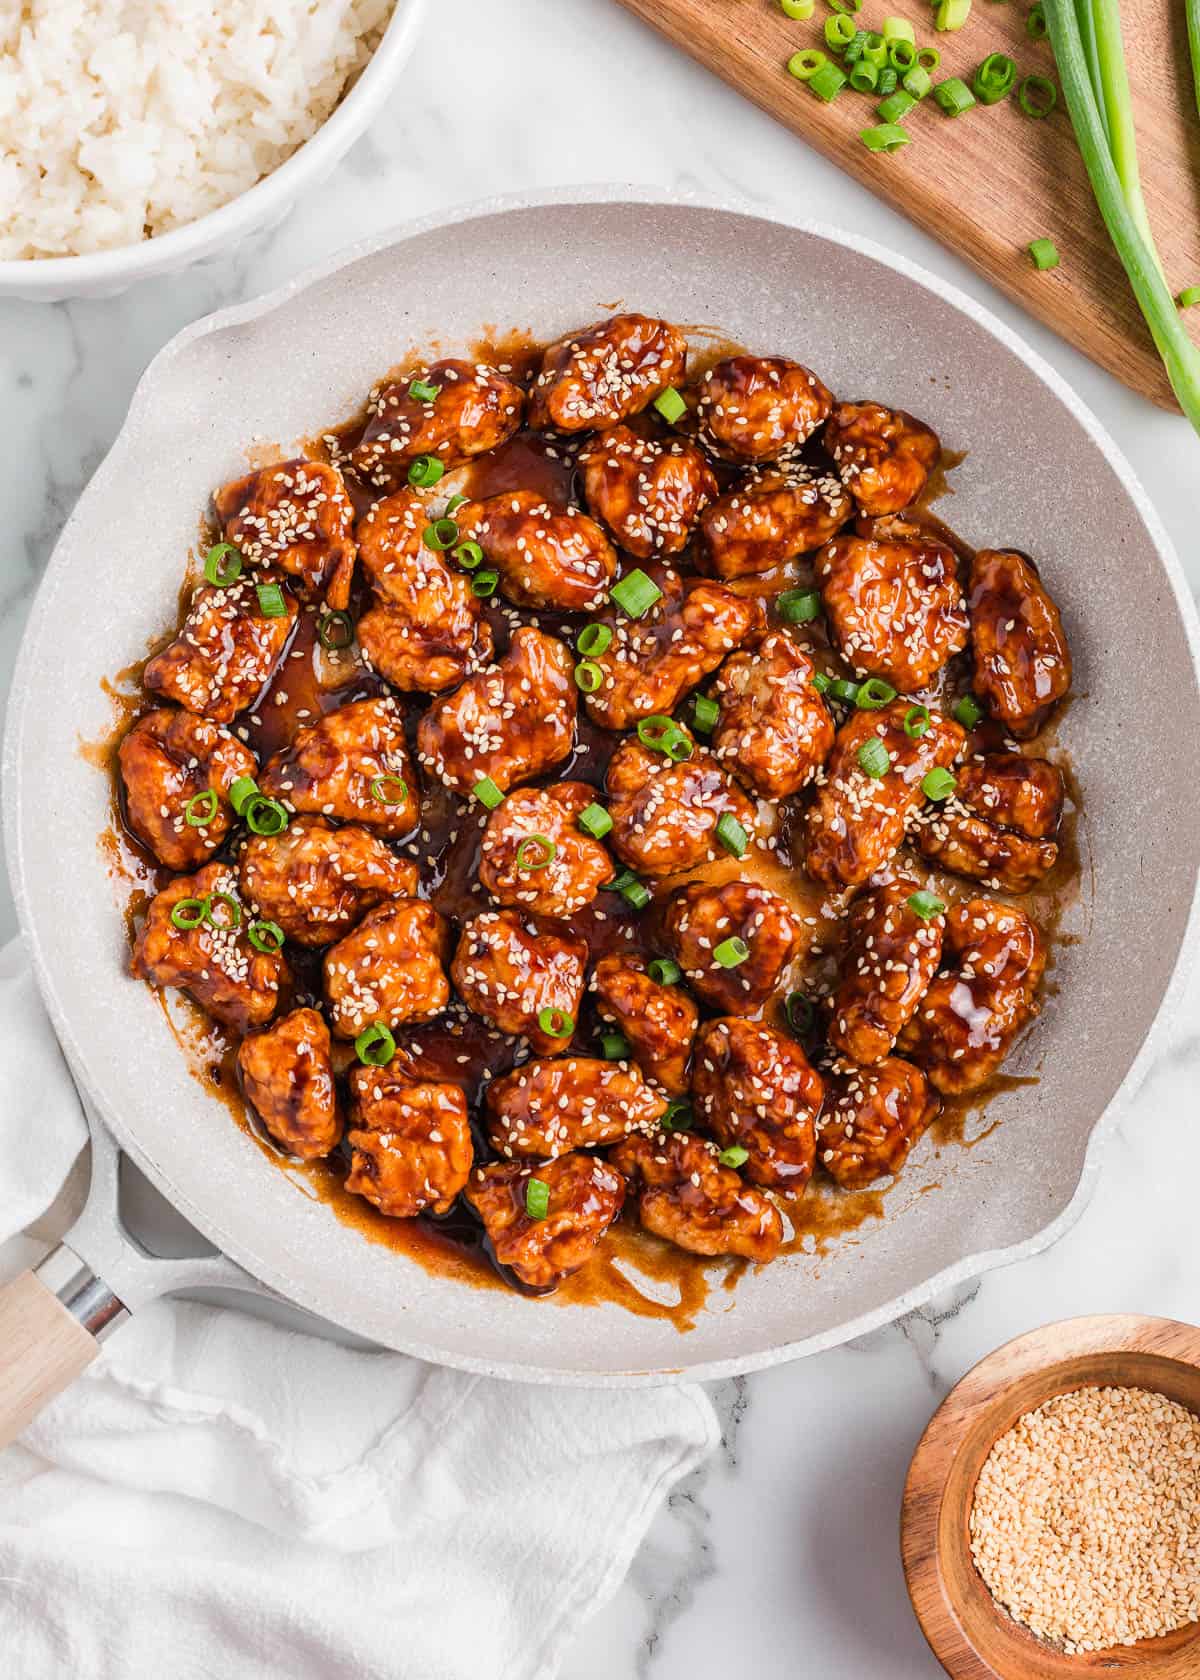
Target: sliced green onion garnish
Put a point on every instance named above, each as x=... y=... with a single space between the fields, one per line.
x=375 y=1045
x=487 y=793
x=732 y=835
x=469 y=555
x=424 y=471
x=241 y=792
x=1035 y=23
x=630 y=888
x=484 y=584
x=800 y=1013
x=916 y=722
x=839 y=32
x=636 y=593
x=270 y=600
x=1037 y=96
x=968 y=711
x=929 y=57
x=895 y=107
x=864 y=76
x=670 y=405
x=846 y=6
x=902 y=56
x=662 y=734
x=556 y=1023
x=201 y=808
x=537 y=1198
x=916 y=81
x=926 y=905
x=898 y=29
x=335 y=630
x=421 y=391
x=938 y=784
x=842 y=688
x=706 y=714
x=222 y=565
x=614 y=1046
x=951 y=14
x=453 y=505
x=442 y=534
x=1189 y=297
x=873 y=758
x=264 y=816
x=875 y=50
x=1044 y=253
x=595 y=820
x=734 y=1156
x=801 y=10
x=993 y=81
x=821 y=682
x=265 y=936
x=799 y=606
x=954 y=96
x=731 y=953
x=827 y=83
x=589 y=676
x=664 y=972
x=389 y=790
x=188 y=913
x=805 y=64
x=593 y=639
x=884 y=137
x=231 y=917
x=887 y=84
x=873 y=694
x=535 y=852
x=678 y=1115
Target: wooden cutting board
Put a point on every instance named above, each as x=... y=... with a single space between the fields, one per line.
x=988 y=182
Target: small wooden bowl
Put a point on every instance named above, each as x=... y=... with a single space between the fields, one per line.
x=968 y=1632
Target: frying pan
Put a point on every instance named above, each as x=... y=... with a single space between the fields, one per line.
x=1040 y=475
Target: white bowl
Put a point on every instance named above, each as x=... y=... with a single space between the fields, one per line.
x=104 y=273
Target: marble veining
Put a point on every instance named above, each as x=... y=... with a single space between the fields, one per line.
x=780 y=1555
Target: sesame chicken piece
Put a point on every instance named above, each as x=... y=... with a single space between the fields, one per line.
x=513 y=974
x=994 y=828
x=214 y=963
x=772 y=515
x=654 y=660
x=1014 y=791
x=701 y=919
x=287 y=1078
x=544 y=1109
x=585 y=1196
x=426 y=632
x=685 y=1195
x=605 y=373
x=297 y=518
x=648 y=492
x=476 y=409
x=664 y=813
x=352 y=765
x=759 y=408
x=410 y=1142
x=510 y=722
x=659 y=1021
x=974 y=1010
x=315 y=880
x=1022 y=661
x=871 y=1120
x=894 y=603
x=857 y=821
x=884 y=455
x=546 y=556
x=513 y=865
x=224 y=653
x=775 y=731
x=890 y=956
x=166 y=760
x=390 y=968
x=754 y=1086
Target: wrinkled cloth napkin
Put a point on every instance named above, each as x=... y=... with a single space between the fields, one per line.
x=221 y=1499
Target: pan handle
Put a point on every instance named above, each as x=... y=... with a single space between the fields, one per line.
x=51 y=1323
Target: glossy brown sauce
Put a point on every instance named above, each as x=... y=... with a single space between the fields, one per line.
x=637 y=1271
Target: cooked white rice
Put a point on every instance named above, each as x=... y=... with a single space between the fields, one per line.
x=120 y=119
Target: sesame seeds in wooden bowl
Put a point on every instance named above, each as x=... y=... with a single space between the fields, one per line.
x=1094 y=1558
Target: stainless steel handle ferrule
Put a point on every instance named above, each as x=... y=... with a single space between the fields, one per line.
x=86 y=1297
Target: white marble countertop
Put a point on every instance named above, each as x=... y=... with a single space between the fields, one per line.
x=781 y=1556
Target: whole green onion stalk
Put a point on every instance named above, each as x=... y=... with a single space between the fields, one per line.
x=1192 y=8
x=1086 y=37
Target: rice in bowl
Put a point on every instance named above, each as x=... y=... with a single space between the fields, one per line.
x=122 y=119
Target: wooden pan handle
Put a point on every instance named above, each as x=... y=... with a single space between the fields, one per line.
x=43 y=1347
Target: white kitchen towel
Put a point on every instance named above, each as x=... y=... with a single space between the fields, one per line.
x=222 y=1499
